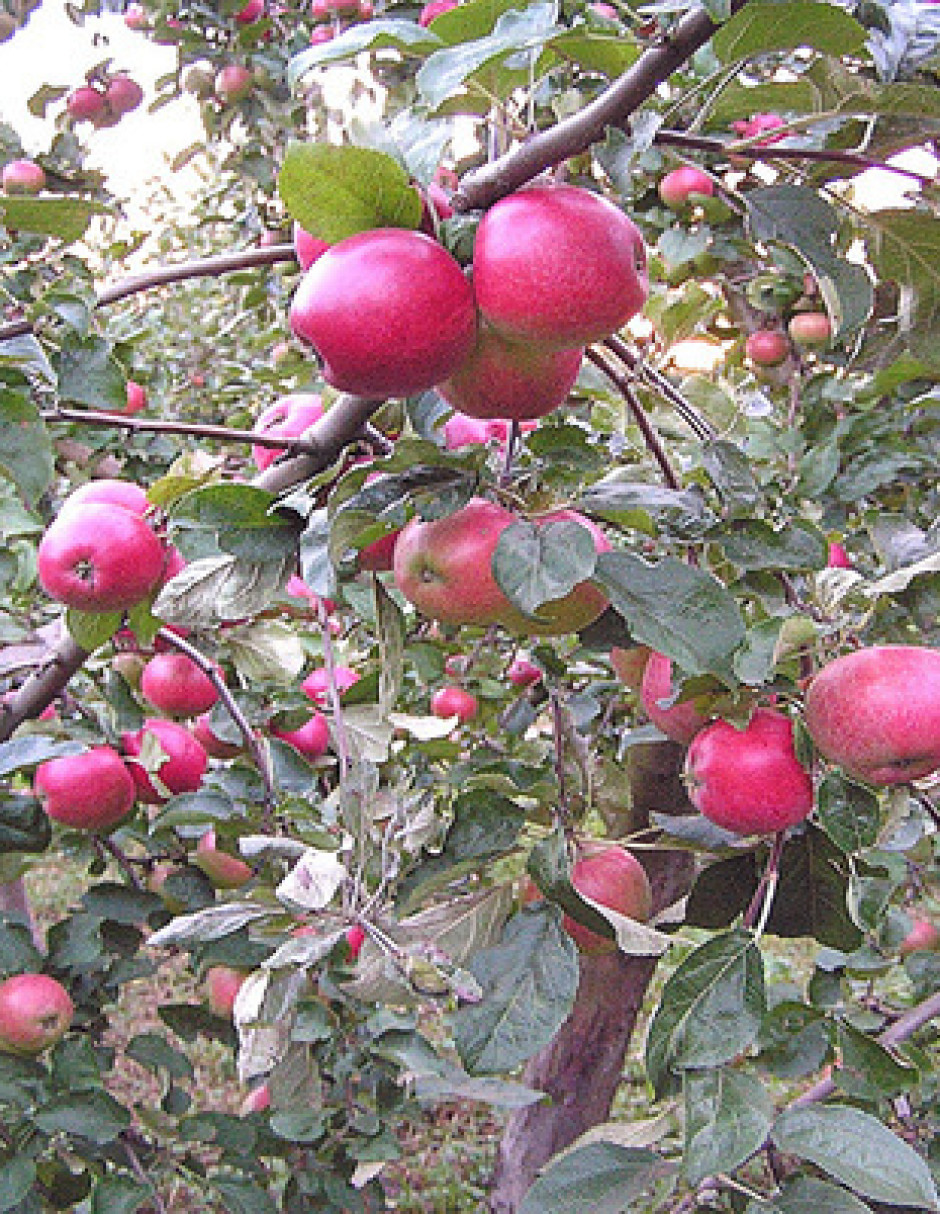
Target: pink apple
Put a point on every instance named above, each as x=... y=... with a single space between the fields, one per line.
x=257 y=1100
x=85 y=104
x=558 y=266
x=35 y=1012
x=876 y=713
x=923 y=937
x=135 y=17
x=676 y=187
x=463 y=431
x=222 y=984
x=224 y=870
x=308 y=248
x=747 y=128
x=389 y=311
x=23 y=177
x=174 y=684
x=287 y=417
x=838 y=557
x=322 y=33
x=312 y=739
x=523 y=673
x=251 y=12
x=232 y=83
x=181 y=771
x=767 y=347
x=454 y=702
x=810 y=329
x=317 y=684
x=749 y=781
x=123 y=95
x=92 y=790
x=127 y=494
x=136 y=398
x=434 y=9
x=680 y=722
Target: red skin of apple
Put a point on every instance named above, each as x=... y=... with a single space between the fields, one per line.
x=454 y=702
x=463 y=431
x=222 y=984
x=505 y=380
x=135 y=17
x=767 y=347
x=85 y=104
x=838 y=557
x=311 y=740
x=127 y=494
x=224 y=870
x=681 y=722
x=389 y=311
x=287 y=417
x=523 y=673
x=123 y=95
x=23 y=177
x=876 y=713
x=210 y=742
x=749 y=781
x=136 y=398
x=308 y=248
x=35 y=1012
x=600 y=9
x=923 y=937
x=810 y=329
x=675 y=187
x=174 y=684
x=323 y=33
x=558 y=266
x=232 y=83
x=355 y=938
x=379 y=556
x=89 y=791
x=297 y=588
x=317 y=683
x=251 y=12
x=181 y=772
x=99 y=557
x=747 y=128
x=257 y=1101
x=434 y=9
x=629 y=664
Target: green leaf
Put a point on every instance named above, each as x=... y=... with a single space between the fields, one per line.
x=812 y=891
x=866 y=1069
x=32 y=749
x=238 y=519
x=89 y=374
x=266 y=651
x=859 y=1151
x=377 y=34
x=676 y=609
x=711 y=1008
x=119 y=1195
x=602 y=1177
x=753 y=544
x=92 y=629
x=26 y=455
x=212 y=923
x=763 y=27
x=240 y=1195
x=728 y=1115
x=794 y=1040
x=65 y=218
x=391 y=633
x=93 y=1115
x=529 y=983
x=156 y=1054
x=730 y=472
x=904 y=246
x=222 y=588
x=807 y=1195
x=849 y=813
x=645 y=507
x=335 y=192
x=16 y=1180
x=24 y=826
x=534 y=565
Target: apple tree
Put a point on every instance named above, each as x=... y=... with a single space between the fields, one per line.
x=471 y=594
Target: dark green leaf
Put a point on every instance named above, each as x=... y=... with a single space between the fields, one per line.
x=730 y=472
x=763 y=27
x=631 y=503
x=89 y=374
x=812 y=892
x=868 y=1070
x=794 y=1040
x=222 y=588
x=753 y=544
x=240 y=1195
x=240 y=519
x=904 y=246
x=807 y=1195
x=119 y=1195
x=92 y=629
x=26 y=455
x=93 y=1115
x=32 y=749
x=24 y=825
x=534 y=565
x=16 y=1180
x=334 y=192
x=859 y=1151
x=849 y=813
x=18 y=953
x=529 y=983
x=602 y=1177
x=711 y=1008
x=727 y=1117
x=722 y=891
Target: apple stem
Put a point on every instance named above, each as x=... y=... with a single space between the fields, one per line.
x=763 y=899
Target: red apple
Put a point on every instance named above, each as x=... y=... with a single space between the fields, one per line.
x=136 y=398
x=747 y=128
x=434 y=9
x=681 y=721
x=317 y=683
x=558 y=266
x=123 y=95
x=22 y=177
x=810 y=329
x=923 y=937
x=127 y=494
x=876 y=713
x=89 y=791
x=435 y=206
x=463 y=431
x=232 y=83
x=311 y=740
x=838 y=557
x=389 y=311
x=181 y=771
x=676 y=187
x=767 y=347
x=323 y=33
x=355 y=939
x=308 y=248
x=501 y=379
x=35 y=1012
x=257 y=1100
x=523 y=673
x=251 y=12
x=288 y=417
x=600 y=9
x=99 y=557
x=222 y=984
x=749 y=780
x=454 y=702
x=209 y=740
x=224 y=870
x=135 y=17
x=174 y=684
x=379 y=556
x=84 y=104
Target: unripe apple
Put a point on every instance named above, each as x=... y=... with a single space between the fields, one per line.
x=287 y=417
x=181 y=771
x=136 y=398
x=127 y=494
x=84 y=104
x=224 y=870
x=810 y=329
x=123 y=95
x=749 y=781
x=174 y=684
x=676 y=186
x=23 y=177
x=232 y=83
x=222 y=984
x=558 y=266
x=523 y=673
x=311 y=740
x=89 y=791
x=501 y=379
x=434 y=9
x=454 y=702
x=876 y=713
x=99 y=557
x=680 y=722
x=308 y=248
x=389 y=311
x=767 y=347
x=317 y=683
x=35 y=1012
x=923 y=937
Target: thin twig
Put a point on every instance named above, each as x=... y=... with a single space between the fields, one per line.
x=700 y=426
x=762 y=900
x=138 y=1170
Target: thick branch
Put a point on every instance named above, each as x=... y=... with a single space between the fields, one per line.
x=613 y=107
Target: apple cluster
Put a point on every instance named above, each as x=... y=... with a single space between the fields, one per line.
x=104 y=102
